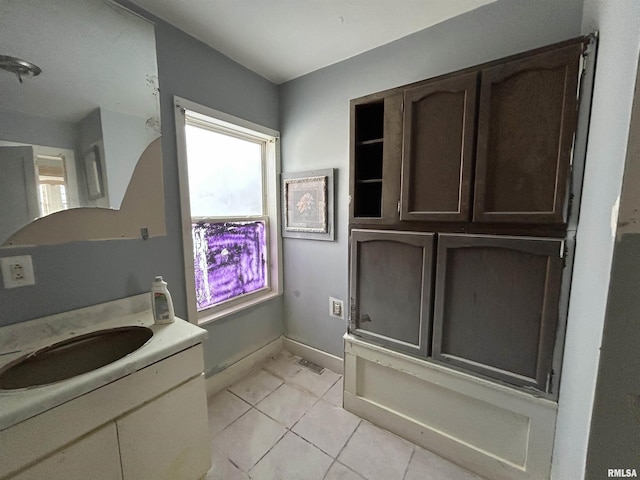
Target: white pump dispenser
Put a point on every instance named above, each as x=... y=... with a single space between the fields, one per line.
x=161 y=302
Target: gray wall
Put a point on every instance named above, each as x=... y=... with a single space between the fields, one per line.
x=615 y=426
x=314 y=120
x=618 y=22
x=315 y=123
x=125 y=137
x=23 y=128
x=85 y=273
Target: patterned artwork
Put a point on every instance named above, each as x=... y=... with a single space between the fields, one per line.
x=229 y=260
x=306 y=204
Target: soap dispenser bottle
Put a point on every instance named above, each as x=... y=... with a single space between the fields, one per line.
x=161 y=302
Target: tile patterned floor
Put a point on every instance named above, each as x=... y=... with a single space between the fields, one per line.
x=285 y=422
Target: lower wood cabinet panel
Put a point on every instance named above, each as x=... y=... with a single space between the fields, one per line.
x=488 y=304
x=391 y=284
x=496 y=305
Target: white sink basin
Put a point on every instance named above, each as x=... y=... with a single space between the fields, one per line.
x=72 y=357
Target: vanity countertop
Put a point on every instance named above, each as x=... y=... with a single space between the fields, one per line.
x=21 y=339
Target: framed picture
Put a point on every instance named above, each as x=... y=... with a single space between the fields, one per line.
x=307 y=205
x=93 y=173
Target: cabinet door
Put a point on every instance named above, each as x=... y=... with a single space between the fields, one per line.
x=95 y=456
x=391 y=279
x=496 y=305
x=526 y=122
x=376 y=145
x=167 y=437
x=438 y=141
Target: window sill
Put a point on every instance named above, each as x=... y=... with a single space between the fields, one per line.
x=233 y=309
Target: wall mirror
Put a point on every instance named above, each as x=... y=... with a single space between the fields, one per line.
x=71 y=136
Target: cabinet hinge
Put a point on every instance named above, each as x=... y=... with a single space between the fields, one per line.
x=570 y=205
x=352 y=314
x=398 y=207
x=549 y=381
x=564 y=253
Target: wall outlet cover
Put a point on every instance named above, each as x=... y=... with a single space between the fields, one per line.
x=336 y=308
x=17 y=271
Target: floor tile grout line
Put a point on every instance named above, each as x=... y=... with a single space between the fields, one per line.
x=329 y=469
x=237 y=396
x=406 y=470
x=266 y=453
x=318 y=398
x=349 y=439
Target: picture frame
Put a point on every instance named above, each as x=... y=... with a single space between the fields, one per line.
x=308 y=205
x=93 y=173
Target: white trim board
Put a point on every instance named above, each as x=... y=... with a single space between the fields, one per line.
x=236 y=371
x=253 y=361
x=324 y=359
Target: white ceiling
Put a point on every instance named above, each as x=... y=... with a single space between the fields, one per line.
x=284 y=39
x=91 y=54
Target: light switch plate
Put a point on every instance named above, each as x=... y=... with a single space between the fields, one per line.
x=17 y=271
x=336 y=308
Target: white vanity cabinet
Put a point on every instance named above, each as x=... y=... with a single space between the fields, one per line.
x=95 y=456
x=167 y=437
x=151 y=424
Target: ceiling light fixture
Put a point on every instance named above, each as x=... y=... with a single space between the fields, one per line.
x=20 y=67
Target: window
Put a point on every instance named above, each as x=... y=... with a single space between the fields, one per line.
x=52 y=183
x=229 y=195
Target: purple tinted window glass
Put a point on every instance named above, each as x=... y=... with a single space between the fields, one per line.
x=230 y=259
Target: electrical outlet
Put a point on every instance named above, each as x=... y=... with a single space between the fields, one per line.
x=336 y=308
x=17 y=271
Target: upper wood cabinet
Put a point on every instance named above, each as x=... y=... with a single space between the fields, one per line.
x=438 y=141
x=491 y=144
x=376 y=126
x=526 y=122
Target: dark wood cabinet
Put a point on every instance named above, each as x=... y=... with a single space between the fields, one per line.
x=490 y=145
x=526 y=123
x=438 y=145
x=476 y=166
x=496 y=306
x=391 y=284
x=376 y=125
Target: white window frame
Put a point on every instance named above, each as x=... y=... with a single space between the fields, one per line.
x=271 y=212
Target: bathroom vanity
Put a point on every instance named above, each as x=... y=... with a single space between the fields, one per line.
x=143 y=416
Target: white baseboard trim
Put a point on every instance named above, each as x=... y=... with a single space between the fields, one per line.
x=236 y=371
x=324 y=359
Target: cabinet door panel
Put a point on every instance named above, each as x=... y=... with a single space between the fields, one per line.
x=391 y=288
x=168 y=437
x=95 y=456
x=496 y=305
x=439 y=126
x=526 y=123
